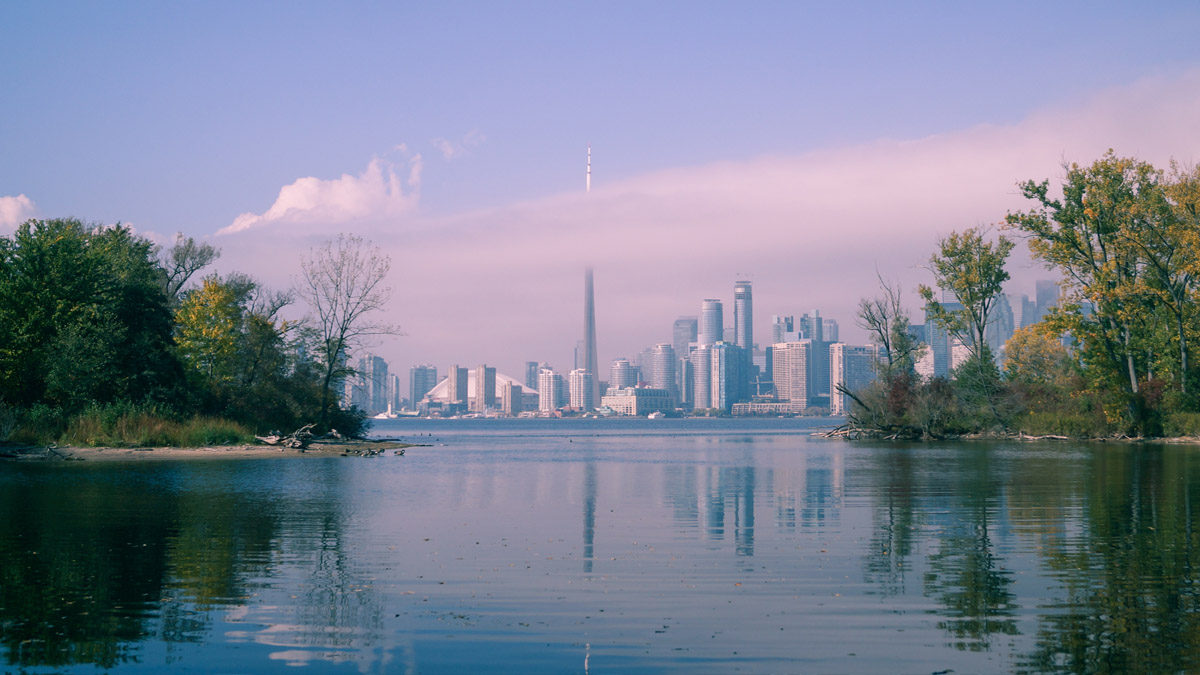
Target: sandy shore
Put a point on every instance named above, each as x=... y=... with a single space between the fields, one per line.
x=316 y=449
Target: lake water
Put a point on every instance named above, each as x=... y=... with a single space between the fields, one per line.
x=610 y=546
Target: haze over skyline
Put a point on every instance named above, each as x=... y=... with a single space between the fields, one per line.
x=801 y=147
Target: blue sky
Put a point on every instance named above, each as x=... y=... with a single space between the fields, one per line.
x=185 y=116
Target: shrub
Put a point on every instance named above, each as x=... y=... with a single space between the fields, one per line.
x=1182 y=424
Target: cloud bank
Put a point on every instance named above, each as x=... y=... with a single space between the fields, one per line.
x=15 y=210
x=505 y=285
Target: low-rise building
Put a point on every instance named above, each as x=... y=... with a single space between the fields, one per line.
x=638 y=400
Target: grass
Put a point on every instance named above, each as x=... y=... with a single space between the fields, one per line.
x=130 y=427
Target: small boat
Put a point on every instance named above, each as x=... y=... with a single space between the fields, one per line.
x=656 y=415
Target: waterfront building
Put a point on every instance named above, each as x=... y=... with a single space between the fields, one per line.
x=850 y=368
x=485 y=389
x=580 y=383
x=421 y=379
x=792 y=362
x=712 y=325
x=549 y=390
x=683 y=333
x=701 y=359
x=622 y=374
x=511 y=399
x=766 y=408
x=457 y=392
x=638 y=400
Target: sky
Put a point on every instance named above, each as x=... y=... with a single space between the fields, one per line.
x=803 y=146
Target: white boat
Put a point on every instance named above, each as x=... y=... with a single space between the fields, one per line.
x=656 y=415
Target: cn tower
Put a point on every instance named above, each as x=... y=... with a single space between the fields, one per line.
x=591 y=361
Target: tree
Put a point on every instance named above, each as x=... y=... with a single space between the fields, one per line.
x=886 y=320
x=972 y=269
x=1090 y=235
x=83 y=318
x=342 y=281
x=208 y=327
x=181 y=261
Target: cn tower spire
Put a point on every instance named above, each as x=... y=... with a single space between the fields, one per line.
x=589 y=169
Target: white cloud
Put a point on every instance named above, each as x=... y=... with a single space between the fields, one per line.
x=454 y=149
x=378 y=192
x=16 y=210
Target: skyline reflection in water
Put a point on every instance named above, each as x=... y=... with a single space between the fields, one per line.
x=640 y=546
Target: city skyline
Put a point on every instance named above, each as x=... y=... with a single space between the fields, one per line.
x=810 y=147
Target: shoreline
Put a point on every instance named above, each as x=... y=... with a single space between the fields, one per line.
x=352 y=448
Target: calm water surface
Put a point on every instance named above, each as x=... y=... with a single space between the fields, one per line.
x=638 y=546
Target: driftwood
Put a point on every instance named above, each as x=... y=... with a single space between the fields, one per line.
x=1048 y=437
x=297 y=440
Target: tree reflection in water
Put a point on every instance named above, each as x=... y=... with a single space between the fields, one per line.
x=94 y=562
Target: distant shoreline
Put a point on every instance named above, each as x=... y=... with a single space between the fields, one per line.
x=104 y=454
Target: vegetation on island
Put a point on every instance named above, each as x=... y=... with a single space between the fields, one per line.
x=1113 y=358
x=108 y=339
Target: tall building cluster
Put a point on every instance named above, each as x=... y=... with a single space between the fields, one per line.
x=709 y=366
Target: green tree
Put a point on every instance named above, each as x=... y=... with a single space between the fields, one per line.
x=83 y=318
x=973 y=270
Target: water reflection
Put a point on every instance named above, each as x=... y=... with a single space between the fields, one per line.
x=1071 y=559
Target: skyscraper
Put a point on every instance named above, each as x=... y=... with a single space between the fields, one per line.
x=712 y=324
x=531 y=375
x=818 y=357
x=850 y=368
x=743 y=337
x=726 y=383
x=548 y=390
x=580 y=384
x=743 y=315
x=371 y=394
x=623 y=374
x=682 y=333
x=780 y=327
x=1046 y=292
x=589 y=332
x=792 y=362
x=458 y=385
x=830 y=330
x=701 y=358
x=420 y=380
x=510 y=399
x=485 y=389
x=662 y=370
